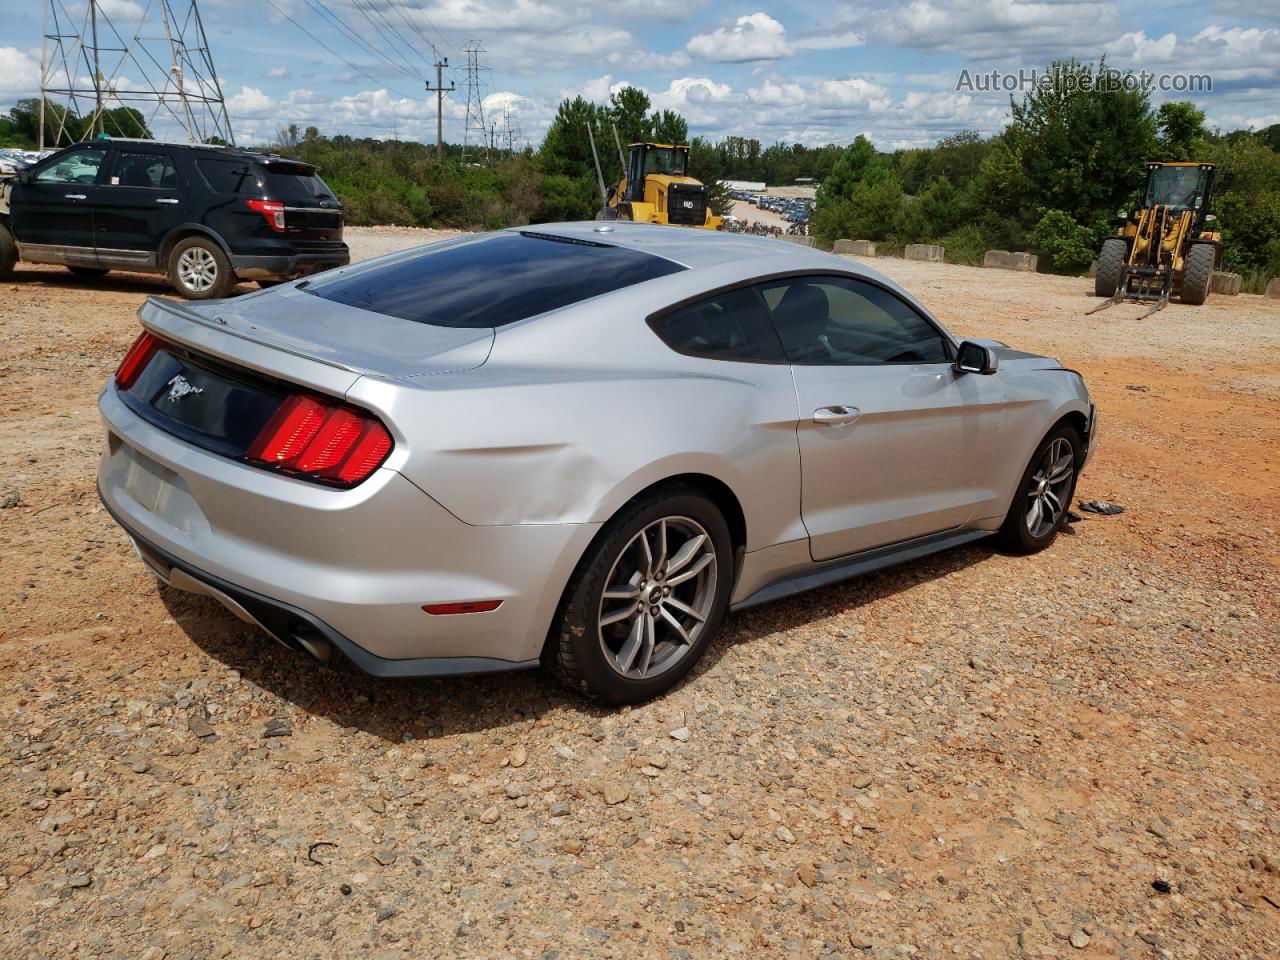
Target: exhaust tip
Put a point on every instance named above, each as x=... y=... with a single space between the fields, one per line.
x=317 y=646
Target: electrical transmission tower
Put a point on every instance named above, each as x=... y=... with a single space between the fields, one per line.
x=475 y=128
x=170 y=78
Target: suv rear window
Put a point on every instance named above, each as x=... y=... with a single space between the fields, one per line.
x=230 y=175
x=493 y=281
x=296 y=183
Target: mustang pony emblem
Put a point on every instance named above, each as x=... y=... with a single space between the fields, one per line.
x=180 y=387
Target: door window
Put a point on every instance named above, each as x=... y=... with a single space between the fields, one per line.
x=840 y=321
x=152 y=170
x=78 y=166
x=729 y=326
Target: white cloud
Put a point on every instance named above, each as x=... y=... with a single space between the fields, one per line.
x=125 y=13
x=250 y=102
x=19 y=71
x=278 y=73
x=756 y=36
x=839 y=40
x=1013 y=30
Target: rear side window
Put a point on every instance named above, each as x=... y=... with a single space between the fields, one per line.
x=493 y=281
x=730 y=326
x=136 y=169
x=230 y=175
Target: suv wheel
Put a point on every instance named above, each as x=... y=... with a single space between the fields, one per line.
x=199 y=270
x=1044 y=495
x=646 y=600
x=8 y=252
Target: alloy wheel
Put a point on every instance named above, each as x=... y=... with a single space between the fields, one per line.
x=197 y=269
x=1050 y=487
x=657 y=597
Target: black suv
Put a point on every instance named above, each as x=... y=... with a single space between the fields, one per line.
x=203 y=215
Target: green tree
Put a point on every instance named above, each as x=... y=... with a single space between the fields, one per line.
x=862 y=198
x=1182 y=130
x=629 y=111
x=669 y=127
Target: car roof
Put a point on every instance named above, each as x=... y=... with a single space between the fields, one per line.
x=693 y=247
x=214 y=148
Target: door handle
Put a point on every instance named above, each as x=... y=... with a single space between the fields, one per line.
x=165 y=200
x=836 y=415
x=74 y=196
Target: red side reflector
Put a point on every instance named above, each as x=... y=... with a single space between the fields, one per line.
x=466 y=606
x=136 y=360
x=288 y=431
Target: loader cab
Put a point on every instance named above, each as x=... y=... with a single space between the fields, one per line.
x=653 y=159
x=1181 y=186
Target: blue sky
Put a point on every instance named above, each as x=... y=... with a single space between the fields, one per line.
x=811 y=71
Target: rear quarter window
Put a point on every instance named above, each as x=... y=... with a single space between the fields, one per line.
x=494 y=281
x=231 y=175
x=733 y=325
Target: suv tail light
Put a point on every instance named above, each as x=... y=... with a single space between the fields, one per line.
x=321 y=441
x=271 y=211
x=136 y=360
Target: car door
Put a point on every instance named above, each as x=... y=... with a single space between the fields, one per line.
x=892 y=439
x=52 y=209
x=142 y=198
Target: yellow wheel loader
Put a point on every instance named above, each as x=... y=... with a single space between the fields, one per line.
x=655 y=187
x=1168 y=246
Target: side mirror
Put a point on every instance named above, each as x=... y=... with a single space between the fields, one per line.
x=975 y=358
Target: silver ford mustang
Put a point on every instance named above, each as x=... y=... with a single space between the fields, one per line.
x=575 y=444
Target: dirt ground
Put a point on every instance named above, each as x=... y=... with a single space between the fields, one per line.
x=977 y=755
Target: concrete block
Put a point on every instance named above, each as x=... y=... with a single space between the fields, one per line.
x=1225 y=283
x=929 y=252
x=857 y=248
x=1093 y=269
x=1273 y=289
x=1004 y=260
x=803 y=241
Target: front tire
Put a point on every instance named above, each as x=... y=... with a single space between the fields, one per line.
x=1110 y=267
x=199 y=270
x=8 y=252
x=1197 y=274
x=1044 y=494
x=646 y=600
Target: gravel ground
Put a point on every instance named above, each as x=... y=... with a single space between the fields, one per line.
x=975 y=756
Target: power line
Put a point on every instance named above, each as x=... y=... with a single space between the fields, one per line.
x=388 y=33
x=358 y=70
x=319 y=7
x=418 y=30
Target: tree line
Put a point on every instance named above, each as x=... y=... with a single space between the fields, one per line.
x=1052 y=182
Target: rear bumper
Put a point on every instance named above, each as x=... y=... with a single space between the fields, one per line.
x=353 y=567
x=288 y=266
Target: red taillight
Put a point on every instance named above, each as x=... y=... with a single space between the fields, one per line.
x=322 y=440
x=271 y=211
x=136 y=360
x=466 y=606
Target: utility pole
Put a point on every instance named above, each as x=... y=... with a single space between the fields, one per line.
x=98 y=119
x=440 y=90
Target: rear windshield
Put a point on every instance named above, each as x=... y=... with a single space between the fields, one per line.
x=295 y=183
x=494 y=281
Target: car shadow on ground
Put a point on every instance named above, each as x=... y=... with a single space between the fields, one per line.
x=153 y=284
x=399 y=710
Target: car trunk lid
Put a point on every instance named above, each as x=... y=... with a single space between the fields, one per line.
x=302 y=333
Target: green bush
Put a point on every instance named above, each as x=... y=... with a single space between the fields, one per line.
x=1069 y=246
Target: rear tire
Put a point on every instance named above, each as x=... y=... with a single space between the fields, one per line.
x=616 y=648
x=8 y=252
x=199 y=270
x=89 y=273
x=1197 y=274
x=1110 y=267
x=1044 y=493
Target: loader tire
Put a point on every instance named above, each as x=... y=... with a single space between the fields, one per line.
x=1197 y=274
x=1110 y=267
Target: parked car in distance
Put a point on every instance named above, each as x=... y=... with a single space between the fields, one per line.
x=205 y=216
x=580 y=444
